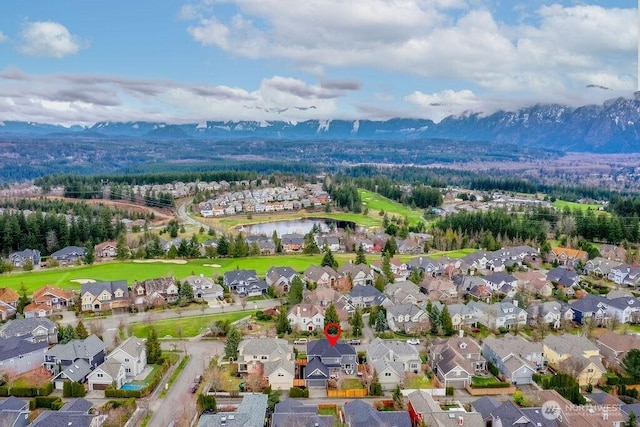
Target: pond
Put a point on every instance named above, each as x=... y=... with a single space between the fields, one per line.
x=299 y=226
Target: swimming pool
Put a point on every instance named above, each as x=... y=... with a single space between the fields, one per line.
x=130 y=386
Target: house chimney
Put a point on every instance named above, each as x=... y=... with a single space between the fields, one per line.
x=515 y=302
x=298 y=311
x=461 y=333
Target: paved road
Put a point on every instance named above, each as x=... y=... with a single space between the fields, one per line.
x=184 y=216
x=179 y=403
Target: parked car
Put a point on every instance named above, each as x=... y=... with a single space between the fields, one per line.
x=300 y=341
x=193 y=388
x=413 y=341
x=354 y=342
x=198 y=379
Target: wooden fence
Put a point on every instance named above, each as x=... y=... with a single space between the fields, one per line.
x=354 y=392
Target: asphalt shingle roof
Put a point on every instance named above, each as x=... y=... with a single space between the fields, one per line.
x=16 y=346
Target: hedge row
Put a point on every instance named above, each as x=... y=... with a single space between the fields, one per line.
x=73 y=389
x=616 y=380
x=45 y=390
x=113 y=392
x=491 y=385
x=53 y=402
x=298 y=392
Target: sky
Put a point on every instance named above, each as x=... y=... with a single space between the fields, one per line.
x=84 y=61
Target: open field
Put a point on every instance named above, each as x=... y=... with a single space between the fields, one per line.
x=131 y=271
x=186 y=327
x=561 y=204
x=375 y=202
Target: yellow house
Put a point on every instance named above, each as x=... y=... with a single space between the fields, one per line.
x=586 y=371
x=574 y=355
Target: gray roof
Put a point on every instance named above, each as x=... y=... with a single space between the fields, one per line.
x=77 y=405
x=304 y=419
x=69 y=251
x=13 y=404
x=251 y=413
x=275 y=273
x=274 y=347
x=403 y=310
x=512 y=344
x=485 y=405
x=20 y=327
x=78 y=349
x=605 y=399
x=361 y=414
x=77 y=371
x=380 y=349
x=63 y=419
x=316 y=364
x=96 y=288
x=16 y=346
x=240 y=276
x=133 y=346
x=291 y=405
x=498 y=278
x=322 y=348
x=365 y=291
x=110 y=367
x=570 y=344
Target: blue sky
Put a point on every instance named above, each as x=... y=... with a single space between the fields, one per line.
x=82 y=61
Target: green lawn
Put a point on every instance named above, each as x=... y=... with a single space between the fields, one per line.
x=418 y=381
x=375 y=202
x=131 y=271
x=149 y=378
x=561 y=204
x=350 y=383
x=188 y=326
x=481 y=381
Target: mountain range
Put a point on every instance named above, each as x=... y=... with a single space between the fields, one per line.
x=612 y=127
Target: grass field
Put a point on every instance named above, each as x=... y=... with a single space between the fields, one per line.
x=481 y=381
x=131 y=271
x=186 y=327
x=375 y=202
x=561 y=204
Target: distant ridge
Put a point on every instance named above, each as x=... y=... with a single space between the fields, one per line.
x=613 y=127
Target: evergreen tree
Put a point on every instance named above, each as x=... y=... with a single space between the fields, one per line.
x=24 y=299
x=173 y=252
x=390 y=247
x=386 y=268
x=331 y=316
x=296 y=291
x=435 y=319
x=381 y=282
x=233 y=340
x=68 y=334
x=360 y=255
x=81 y=331
x=328 y=260
x=447 y=324
x=122 y=251
x=282 y=324
x=185 y=293
x=375 y=388
x=183 y=249
x=357 y=323
x=381 y=322
x=90 y=256
x=310 y=245
x=223 y=246
x=632 y=420
x=416 y=276
x=154 y=352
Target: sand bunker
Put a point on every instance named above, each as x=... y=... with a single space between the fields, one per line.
x=212 y=265
x=165 y=261
x=82 y=281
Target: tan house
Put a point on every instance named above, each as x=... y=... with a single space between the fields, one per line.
x=321 y=276
x=8 y=303
x=106 y=249
x=53 y=296
x=155 y=292
x=104 y=296
x=534 y=283
x=574 y=355
x=271 y=358
x=567 y=256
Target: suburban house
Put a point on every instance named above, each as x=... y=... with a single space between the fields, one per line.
x=405 y=292
x=399 y=269
x=132 y=354
x=8 y=303
x=20 y=354
x=74 y=413
x=600 y=266
x=325 y=361
x=104 y=296
x=567 y=256
x=204 y=288
x=596 y=415
x=534 y=283
x=427 y=266
x=35 y=330
x=423 y=408
x=625 y=274
x=321 y=276
x=516 y=358
x=270 y=358
x=21 y=258
x=355 y=275
x=494 y=412
x=53 y=296
x=614 y=347
x=331 y=242
x=32 y=310
x=502 y=282
x=111 y=372
x=548 y=312
x=462 y=316
x=362 y=296
x=74 y=360
x=245 y=283
x=406 y=318
x=616 y=253
x=499 y=315
x=291 y=412
x=106 y=249
x=562 y=276
x=69 y=255
x=14 y=412
x=251 y=412
x=281 y=278
x=306 y=317
x=391 y=360
x=361 y=414
x=292 y=242
x=155 y=292
x=439 y=289
x=590 y=309
x=574 y=355
x=455 y=360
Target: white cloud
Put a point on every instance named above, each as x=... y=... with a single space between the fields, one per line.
x=3 y=37
x=48 y=39
x=555 y=50
x=439 y=105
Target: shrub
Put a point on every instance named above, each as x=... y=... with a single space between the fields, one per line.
x=493 y=369
x=206 y=403
x=449 y=391
x=45 y=390
x=73 y=389
x=113 y=392
x=298 y=392
x=491 y=385
x=52 y=402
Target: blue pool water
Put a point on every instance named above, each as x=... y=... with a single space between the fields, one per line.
x=129 y=386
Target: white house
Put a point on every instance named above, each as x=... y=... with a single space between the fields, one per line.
x=110 y=372
x=306 y=317
x=132 y=353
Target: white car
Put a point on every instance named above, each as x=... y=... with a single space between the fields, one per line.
x=413 y=341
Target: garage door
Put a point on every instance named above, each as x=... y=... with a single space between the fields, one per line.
x=96 y=386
